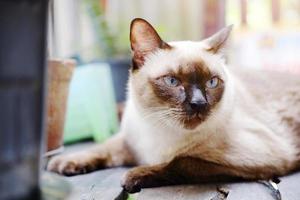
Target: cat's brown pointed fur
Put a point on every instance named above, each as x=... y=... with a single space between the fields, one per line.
x=190 y=118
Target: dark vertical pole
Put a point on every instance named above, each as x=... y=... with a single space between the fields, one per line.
x=22 y=66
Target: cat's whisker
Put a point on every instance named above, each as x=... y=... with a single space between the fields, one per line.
x=169 y=119
x=158 y=117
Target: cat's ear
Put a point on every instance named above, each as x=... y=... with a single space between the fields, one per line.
x=217 y=42
x=144 y=40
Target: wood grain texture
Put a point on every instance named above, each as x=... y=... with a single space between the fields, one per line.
x=105 y=184
x=191 y=192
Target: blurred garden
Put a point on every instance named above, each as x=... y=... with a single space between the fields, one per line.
x=95 y=33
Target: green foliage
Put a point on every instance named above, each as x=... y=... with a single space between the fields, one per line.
x=105 y=39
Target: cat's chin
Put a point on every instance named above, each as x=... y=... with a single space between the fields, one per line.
x=192 y=123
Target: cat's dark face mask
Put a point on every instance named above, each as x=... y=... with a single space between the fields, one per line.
x=185 y=92
x=191 y=93
x=196 y=103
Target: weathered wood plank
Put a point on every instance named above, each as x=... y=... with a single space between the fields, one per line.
x=289 y=187
x=103 y=184
x=191 y=192
x=249 y=191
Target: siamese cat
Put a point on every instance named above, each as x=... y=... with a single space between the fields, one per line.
x=191 y=118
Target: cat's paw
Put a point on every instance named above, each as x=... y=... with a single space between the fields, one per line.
x=132 y=182
x=69 y=165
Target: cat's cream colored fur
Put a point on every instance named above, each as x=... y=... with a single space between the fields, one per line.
x=252 y=132
x=255 y=136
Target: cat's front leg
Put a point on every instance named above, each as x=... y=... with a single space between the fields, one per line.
x=144 y=177
x=114 y=152
x=186 y=170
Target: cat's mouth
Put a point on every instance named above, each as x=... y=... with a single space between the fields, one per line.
x=192 y=121
x=189 y=119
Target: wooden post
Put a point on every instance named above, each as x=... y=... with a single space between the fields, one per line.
x=243 y=4
x=214 y=16
x=275 y=11
x=103 y=4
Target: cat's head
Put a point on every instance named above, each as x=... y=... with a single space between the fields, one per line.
x=177 y=83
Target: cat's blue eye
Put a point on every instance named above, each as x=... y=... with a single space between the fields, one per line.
x=212 y=83
x=171 y=81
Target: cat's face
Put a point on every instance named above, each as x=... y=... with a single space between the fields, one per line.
x=179 y=83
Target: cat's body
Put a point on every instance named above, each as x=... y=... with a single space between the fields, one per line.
x=257 y=103
x=256 y=127
x=265 y=115
x=209 y=123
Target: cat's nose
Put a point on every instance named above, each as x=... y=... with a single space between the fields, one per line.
x=198 y=105
x=197 y=102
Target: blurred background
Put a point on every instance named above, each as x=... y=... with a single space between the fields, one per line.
x=98 y=29
x=96 y=34
x=68 y=83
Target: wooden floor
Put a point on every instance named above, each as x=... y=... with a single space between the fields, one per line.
x=105 y=184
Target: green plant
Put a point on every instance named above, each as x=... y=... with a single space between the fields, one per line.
x=105 y=39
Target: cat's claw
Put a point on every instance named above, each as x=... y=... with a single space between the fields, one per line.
x=131 y=183
x=66 y=166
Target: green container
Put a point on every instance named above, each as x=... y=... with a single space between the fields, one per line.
x=91 y=110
